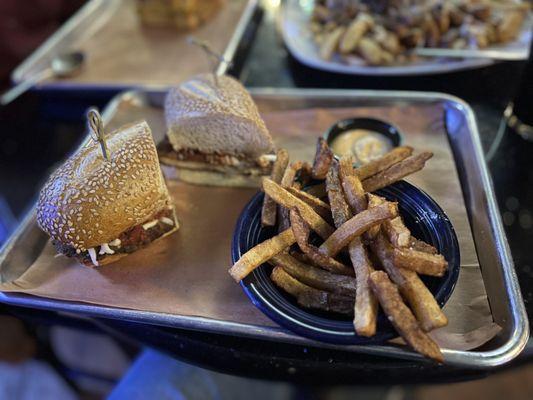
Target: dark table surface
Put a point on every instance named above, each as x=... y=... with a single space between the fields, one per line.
x=40 y=128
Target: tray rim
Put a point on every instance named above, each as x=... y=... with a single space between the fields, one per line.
x=85 y=12
x=489 y=359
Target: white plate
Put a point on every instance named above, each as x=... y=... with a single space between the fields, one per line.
x=295 y=15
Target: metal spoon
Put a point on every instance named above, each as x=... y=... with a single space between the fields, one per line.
x=61 y=66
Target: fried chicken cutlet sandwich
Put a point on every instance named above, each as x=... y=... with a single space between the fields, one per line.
x=215 y=135
x=100 y=207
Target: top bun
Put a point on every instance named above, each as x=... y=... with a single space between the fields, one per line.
x=89 y=201
x=211 y=118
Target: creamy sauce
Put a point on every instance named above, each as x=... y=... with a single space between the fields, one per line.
x=363 y=144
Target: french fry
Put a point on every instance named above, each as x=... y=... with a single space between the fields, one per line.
x=355 y=31
x=392 y=157
x=305 y=175
x=322 y=208
x=352 y=186
x=366 y=306
x=301 y=232
x=310 y=297
x=339 y=208
x=318 y=190
x=356 y=226
x=323 y=157
x=370 y=50
x=397 y=232
x=268 y=213
x=422 y=302
x=397 y=172
x=401 y=317
x=510 y=25
x=260 y=254
x=331 y=41
x=374 y=201
x=287 y=181
x=315 y=277
x=287 y=200
x=418 y=261
x=419 y=245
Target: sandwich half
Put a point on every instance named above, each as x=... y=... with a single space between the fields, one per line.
x=98 y=210
x=215 y=135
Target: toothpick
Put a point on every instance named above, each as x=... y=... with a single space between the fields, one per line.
x=211 y=55
x=96 y=129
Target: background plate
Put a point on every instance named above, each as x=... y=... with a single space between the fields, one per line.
x=297 y=36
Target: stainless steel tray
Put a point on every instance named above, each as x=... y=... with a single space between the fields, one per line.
x=481 y=228
x=121 y=54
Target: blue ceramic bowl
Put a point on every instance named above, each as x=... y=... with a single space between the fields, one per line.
x=421 y=215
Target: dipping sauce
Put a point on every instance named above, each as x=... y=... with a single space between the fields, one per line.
x=363 y=144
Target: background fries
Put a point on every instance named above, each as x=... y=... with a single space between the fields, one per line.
x=383 y=33
x=268 y=214
x=367 y=226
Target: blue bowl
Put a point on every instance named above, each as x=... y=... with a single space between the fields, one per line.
x=421 y=215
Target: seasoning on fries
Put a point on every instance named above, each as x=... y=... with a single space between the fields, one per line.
x=419 y=245
x=401 y=317
x=315 y=277
x=322 y=208
x=339 y=208
x=310 y=297
x=423 y=263
x=301 y=232
x=397 y=232
x=356 y=226
x=422 y=302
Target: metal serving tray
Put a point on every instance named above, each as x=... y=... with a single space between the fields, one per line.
x=483 y=217
x=121 y=54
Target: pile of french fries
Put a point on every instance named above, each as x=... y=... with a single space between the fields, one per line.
x=366 y=255
x=382 y=32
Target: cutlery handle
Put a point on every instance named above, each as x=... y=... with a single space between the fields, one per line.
x=23 y=86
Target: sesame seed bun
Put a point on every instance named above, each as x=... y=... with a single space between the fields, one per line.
x=89 y=201
x=215 y=118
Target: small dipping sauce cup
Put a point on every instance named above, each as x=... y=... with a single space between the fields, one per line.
x=365 y=139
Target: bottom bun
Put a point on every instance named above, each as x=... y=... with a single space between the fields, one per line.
x=211 y=178
x=111 y=258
